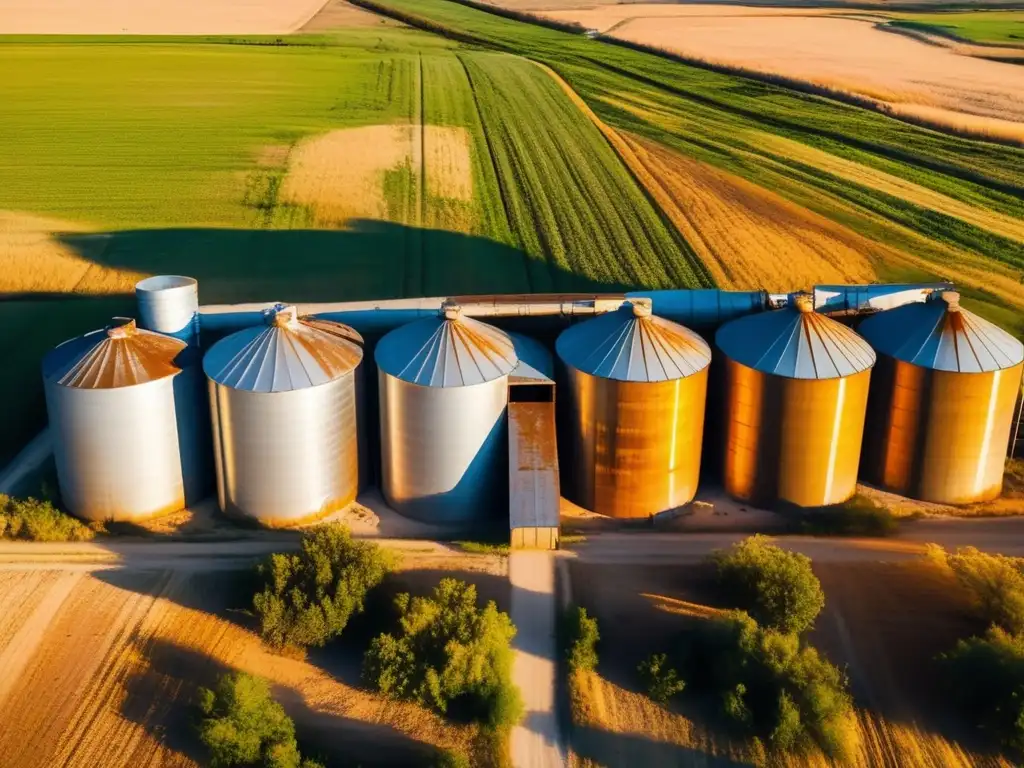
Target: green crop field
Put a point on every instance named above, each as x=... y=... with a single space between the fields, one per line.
x=985 y=27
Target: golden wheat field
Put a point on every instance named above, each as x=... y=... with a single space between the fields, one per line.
x=111 y=661
x=842 y=53
x=153 y=17
x=883 y=621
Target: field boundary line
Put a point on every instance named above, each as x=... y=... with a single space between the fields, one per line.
x=655 y=193
x=494 y=169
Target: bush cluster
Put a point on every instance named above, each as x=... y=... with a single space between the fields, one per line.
x=776 y=587
x=772 y=685
x=243 y=725
x=581 y=636
x=309 y=597
x=986 y=674
x=36 y=520
x=661 y=679
x=860 y=516
x=448 y=653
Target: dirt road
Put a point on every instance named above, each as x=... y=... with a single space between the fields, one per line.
x=536 y=741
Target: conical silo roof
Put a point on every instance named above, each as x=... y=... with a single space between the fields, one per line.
x=940 y=335
x=286 y=354
x=631 y=344
x=449 y=350
x=795 y=342
x=535 y=363
x=120 y=355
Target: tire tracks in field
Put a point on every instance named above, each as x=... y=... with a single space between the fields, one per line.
x=497 y=176
x=656 y=194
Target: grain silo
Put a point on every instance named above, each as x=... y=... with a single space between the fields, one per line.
x=942 y=401
x=795 y=395
x=443 y=402
x=283 y=400
x=634 y=411
x=125 y=407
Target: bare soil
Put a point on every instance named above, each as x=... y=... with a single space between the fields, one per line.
x=102 y=668
x=338 y=14
x=153 y=17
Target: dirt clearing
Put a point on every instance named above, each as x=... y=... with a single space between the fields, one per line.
x=846 y=54
x=337 y=14
x=154 y=17
x=111 y=660
x=884 y=622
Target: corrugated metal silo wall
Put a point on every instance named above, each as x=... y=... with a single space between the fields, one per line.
x=117 y=451
x=286 y=458
x=444 y=450
x=795 y=441
x=939 y=436
x=633 y=448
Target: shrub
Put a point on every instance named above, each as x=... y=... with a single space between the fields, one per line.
x=996 y=582
x=446 y=650
x=772 y=686
x=308 y=598
x=662 y=680
x=860 y=516
x=986 y=675
x=449 y=758
x=778 y=588
x=581 y=636
x=36 y=520
x=243 y=725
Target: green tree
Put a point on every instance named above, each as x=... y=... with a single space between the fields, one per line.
x=581 y=636
x=662 y=680
x=308 y=598
x=243 y=725
x=996 y=582
x=777 y=587
x=448 y=648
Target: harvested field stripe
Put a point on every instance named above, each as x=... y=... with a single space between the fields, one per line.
x=21 y=648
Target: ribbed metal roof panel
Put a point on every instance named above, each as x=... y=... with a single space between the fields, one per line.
x=120 y=355
x=940 y=335
x=631 y=344
x=796 y=343
x=447 y=351
x=288 y=353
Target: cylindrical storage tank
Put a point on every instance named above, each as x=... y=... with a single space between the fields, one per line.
x=633 y=411
x=123 y=404
x=443 y=408
x=795 y=396
x=283 y=398
x=167 y=304
x=942 y=401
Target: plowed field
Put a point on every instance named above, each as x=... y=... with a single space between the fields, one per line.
x=101 y=669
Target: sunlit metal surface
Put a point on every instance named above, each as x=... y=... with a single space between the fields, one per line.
x=443 y=387
x=938 y=428
x=633 y=434
x=851 y=299
x=704 y=306
x=796 y=343
x=126 y=413
x=793 y=407
x=533 y=475
x=284 y=404
x=168 y=304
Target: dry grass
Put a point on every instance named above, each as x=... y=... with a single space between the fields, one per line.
x=338 y=14
x=846 y=55
x=154 y=17
x=33 y=260
x=100 y=669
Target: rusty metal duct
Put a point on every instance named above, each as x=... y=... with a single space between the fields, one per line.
x=125 y=409
x=443 y=402
x=634 y=411
x=283 y=398
x=796 y=387
x=942 y=400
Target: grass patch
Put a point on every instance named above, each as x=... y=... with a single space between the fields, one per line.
x=860 y=516
x=984 y=27
x=34 y=520
x=484 y=547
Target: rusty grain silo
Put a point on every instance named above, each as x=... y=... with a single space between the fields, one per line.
x=633 y=411
x=942 y=401
x=125 y=409
x=284 y=405
x=795 y=396
x=443 y=417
